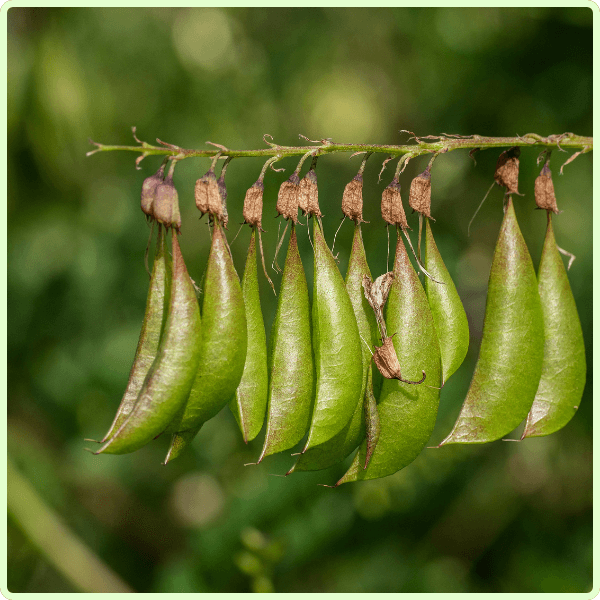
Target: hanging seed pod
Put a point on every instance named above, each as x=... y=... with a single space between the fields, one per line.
x=169 y=380
x=352 y=201
x=149 y=190
x=563 y=369
x=166 y=204
x=341 y=445
x=509 y=366
x=544 y=190
x=222 y=348
x=208 y=195
x=308 y=194
x=287 y=198
x=447 y=309
x=372 y=421
x=250 y=401
x=392 y=210
x=507 y=170
x=253 y=205
x=154 y=320
x=337 y=348
x=291 y=383
x=407 y=413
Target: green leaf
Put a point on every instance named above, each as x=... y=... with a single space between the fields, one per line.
x=446 y=308
x=563 y=368
x=508 y=369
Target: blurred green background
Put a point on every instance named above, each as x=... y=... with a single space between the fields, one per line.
x=501 y=517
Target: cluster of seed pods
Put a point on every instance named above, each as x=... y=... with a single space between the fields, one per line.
x=359 y=366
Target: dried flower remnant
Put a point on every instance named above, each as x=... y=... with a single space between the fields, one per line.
x=253 y=205
x=507 y=170
x=166 y=203
x=376 y=293
x=392 y=210
x=308 y=195
x=149 y=189
x=287 y=198
x=419 y=198
x=387 y=362
x=544 y=190
x=352 y=201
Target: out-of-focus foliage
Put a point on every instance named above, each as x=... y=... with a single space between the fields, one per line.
x=501 y=517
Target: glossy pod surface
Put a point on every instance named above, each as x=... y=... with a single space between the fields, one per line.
x=250 y=402
x=407 y=413
x=508 y=369
x=447 y=310
x=341 y=445
x=170 y=378
x=336 y=346
x=563 y=369
x=154 y=320
x=222 y=347
x=291 y=382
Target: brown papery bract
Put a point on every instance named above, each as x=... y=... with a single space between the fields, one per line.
x=208 y=196
x=352 y=201
x=419 y=198
x=149 y=189
x=392 y=210
x=308 y=195
x=544 y=190
x=386 y=359
x=166 y=204
x=507 y=170
x=287 y=198
x=253 y=205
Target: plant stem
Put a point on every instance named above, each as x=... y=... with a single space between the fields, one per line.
x=60 y=546
x=423 y=145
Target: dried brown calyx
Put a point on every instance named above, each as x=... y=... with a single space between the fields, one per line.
x=308 y=194
x=166 y=204
x=387 y=362
x=544 y=190
x=419 y=198
x=253 y=205
x=149 y=189
x=392 y=210
x=352 y=200
x=376 y=293
x=507 y=170
x=287 y=198
x=208 y=195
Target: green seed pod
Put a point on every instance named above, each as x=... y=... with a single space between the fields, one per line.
x=166 y=204
x=149 y=190
x=222 y=348
x=250 y=402
x=337 y=349
x=291 y=384
x=448 y=312
x=341 y=445
x=407 y=413
x=372 y=421
x=155 y=317
x=508 y=369
x=170 y=378
x=563 y=369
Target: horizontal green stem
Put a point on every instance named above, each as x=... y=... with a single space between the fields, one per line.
x=424 y=145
